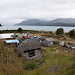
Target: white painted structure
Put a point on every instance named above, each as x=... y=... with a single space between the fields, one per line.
x=6 y=36
x=61 y=43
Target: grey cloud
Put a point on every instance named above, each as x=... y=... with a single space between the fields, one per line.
x=12 y=11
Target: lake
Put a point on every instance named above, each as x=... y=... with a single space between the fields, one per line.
x=40 y=28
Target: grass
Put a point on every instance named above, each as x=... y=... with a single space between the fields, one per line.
x=23 y=31
x=52 y=63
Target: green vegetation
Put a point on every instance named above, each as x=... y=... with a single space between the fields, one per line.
x=71 y=69
x=55 y=61
x=30 y=65
x=72 y=33
x=16 y=31
x=59 y=36
x=19 y=30
x=60 y=31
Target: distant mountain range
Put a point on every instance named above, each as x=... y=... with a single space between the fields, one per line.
x=56 y=22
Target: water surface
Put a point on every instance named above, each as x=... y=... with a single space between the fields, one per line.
x=40 y=28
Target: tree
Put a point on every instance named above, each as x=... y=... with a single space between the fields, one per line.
x=72 y=33
x=19 y=30
x=60 y=31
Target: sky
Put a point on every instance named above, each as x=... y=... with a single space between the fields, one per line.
x=15 y=11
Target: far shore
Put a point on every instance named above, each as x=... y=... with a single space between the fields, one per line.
x=50 y=25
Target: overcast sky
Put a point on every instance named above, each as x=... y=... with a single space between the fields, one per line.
x=14 y=11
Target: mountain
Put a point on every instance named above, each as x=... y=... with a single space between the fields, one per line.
x=63 y=20
x=56 y=22
x=34 y=22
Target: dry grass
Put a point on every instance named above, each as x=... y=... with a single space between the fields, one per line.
x=56 y=61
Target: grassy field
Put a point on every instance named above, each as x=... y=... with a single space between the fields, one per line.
x=55 y=61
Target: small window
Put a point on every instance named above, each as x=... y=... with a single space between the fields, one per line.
x=31 y=53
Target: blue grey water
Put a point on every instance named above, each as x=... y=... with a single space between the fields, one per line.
x=40 y=28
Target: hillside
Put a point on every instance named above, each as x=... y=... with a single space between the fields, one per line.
x=63 y=20
x=33 y=22
x=56 y=22
x=55 y=61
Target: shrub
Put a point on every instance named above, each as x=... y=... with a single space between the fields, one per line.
x=60 y=31
x=30 y=65
x=71 y=69
x=19 y=30
x=0 y=32
x=59 y=36
x=72 y=33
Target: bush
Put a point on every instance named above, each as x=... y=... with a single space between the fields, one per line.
x=72 y=33
x=71 y=69
x=19 y=30
x=1 y=32
x=60 y=31
x=30 y=65
x=59 y=36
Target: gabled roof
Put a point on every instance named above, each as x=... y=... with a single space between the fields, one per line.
x=29 y=45
x=11 y=41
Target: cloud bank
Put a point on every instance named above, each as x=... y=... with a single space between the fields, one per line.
x=14 y=11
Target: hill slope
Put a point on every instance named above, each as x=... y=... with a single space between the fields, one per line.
x=56 y=22
x=52 y=62
x=63 y=20
x=33 y=22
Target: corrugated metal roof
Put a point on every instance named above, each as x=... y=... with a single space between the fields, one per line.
x=12 y=41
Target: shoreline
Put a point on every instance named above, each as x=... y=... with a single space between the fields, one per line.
x=35 y=28
x=47 y=25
